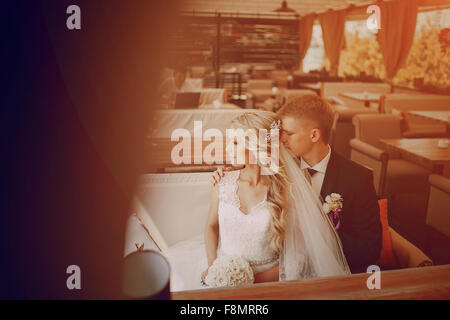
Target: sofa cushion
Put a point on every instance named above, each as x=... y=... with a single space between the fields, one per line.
x=387 y=257
x=370 y=128
x=177 y=203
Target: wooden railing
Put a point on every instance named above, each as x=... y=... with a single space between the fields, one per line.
x=413 y=283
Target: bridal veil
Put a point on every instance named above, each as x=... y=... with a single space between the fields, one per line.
x=312 y=247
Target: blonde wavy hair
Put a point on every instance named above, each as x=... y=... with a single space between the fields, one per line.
x=276 y=196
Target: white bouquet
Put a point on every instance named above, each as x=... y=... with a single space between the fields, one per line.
x=229 y=271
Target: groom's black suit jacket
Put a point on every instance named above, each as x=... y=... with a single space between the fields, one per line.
x=360 y=229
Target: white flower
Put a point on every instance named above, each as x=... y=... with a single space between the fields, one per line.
x=220 y=280
x=336 y=196
x=229 y=271
x=333 y=202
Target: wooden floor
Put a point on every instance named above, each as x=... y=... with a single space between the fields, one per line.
x=414 y=283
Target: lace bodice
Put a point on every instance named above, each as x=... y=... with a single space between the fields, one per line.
x=247 y=235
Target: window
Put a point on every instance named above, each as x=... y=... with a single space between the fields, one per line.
x=314 y=58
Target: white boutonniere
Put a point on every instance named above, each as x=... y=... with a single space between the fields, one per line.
x=333 y=206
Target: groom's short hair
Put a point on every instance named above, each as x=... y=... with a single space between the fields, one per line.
x=312 y=107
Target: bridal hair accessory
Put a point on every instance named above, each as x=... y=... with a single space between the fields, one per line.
x=333 y=206
x=276 y=125
x=229 y=271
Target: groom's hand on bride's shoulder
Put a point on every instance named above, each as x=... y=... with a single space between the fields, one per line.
x=218 y=174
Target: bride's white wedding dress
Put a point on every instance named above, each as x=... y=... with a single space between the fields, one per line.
x=247 y=235
x=311 y=246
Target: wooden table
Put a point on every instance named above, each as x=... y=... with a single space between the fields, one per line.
x=422 y=151
x=440 y=117
x=367 y=98
x=413 y=283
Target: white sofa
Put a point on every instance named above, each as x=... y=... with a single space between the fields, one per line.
x=172 y=206
x=137 y=236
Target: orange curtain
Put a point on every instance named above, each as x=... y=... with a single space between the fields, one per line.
x=333 y=26
x=398 y=24
x=305 y=33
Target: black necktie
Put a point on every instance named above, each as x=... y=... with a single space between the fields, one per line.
x=312 y=172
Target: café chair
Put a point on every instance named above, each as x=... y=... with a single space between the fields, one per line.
x=289 y=94
x=343 y=130
x=438 y=212
x=407 y=254
x=411 y=129
x=258 y=91
x=414 y=127
x=332 y=90
x=280 y=77
x=276 y=102
x=392 y=175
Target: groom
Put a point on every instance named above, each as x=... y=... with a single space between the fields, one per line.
x=305 y=130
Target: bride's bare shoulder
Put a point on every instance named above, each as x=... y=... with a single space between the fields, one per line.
x=215 y=192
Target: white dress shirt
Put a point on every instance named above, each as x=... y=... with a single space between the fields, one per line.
x=321 y=168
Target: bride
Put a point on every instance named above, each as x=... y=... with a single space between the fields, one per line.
x=275 y=221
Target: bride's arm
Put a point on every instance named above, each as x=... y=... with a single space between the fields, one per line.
x=212 y=226
x=267 y=276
